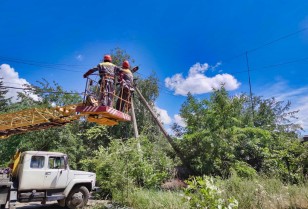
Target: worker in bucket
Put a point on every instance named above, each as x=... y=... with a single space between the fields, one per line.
x=107 y=71
x=126 y=81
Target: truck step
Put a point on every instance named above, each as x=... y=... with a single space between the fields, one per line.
x=55 y=197
x=31 y=195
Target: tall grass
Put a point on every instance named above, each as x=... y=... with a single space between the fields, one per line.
x=265 y=193
x=256 y=193
x=154 y=199
x=147 y=199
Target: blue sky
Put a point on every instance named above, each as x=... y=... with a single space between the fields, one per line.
x=167 y=37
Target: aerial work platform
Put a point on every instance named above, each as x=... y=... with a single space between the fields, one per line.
x=103 y=115
x=91 y=109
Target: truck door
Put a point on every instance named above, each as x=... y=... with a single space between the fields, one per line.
x=32 y=175
x=56 y=173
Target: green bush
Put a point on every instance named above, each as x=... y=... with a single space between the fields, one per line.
x=202 y=193
x=243 y=169
x=121 y=167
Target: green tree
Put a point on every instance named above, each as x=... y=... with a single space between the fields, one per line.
x=120 y=167
x=220 y=136
x=54 y=94
x=4 y=102
x=119 y=55
x=271 y=114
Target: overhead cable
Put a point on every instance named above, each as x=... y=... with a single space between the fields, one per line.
x=266 y=44
x=38 y=90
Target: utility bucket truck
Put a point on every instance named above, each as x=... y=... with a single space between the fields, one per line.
x=45 y=176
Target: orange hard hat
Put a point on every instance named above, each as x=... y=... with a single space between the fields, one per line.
x=107 y=57
x=125 y=64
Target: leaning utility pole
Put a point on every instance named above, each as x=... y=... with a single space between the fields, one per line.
x=169 y=139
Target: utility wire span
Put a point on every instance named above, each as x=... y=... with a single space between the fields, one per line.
x=55 y=65
x=44 y=66
x=271 y=66
x=266 y=44
x=40 y=91
x=255 y=69
x=278 y=39
x=170 y=92
x=40 y=63
x=285 y=63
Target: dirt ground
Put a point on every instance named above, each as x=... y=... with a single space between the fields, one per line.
x=54 y=205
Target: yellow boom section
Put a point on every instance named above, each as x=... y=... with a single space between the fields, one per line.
x=35 y=119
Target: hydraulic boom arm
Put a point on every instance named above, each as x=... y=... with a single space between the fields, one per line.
x=35 y=119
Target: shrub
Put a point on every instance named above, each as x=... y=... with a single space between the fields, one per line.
x=121 y=167
x=243 y=169
x=202 y=193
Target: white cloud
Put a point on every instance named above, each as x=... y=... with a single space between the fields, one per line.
x=12 y=79
x=79 y=57
x=179 y=120
x=163 y=115
x=198 y=83
x=216 y=66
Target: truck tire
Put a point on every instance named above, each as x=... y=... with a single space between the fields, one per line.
x=78 y=197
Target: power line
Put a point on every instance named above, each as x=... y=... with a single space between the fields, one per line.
x=40 y=91
x=41 y=63
x=285 y=63
x=271 y=66
x=165 y=90
x=250 y=69
x=278 y=39
x=45 y=66
x=266 y=44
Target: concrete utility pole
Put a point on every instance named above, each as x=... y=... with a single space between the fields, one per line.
x=135 y=123
x=248 y=68
x=134 y=119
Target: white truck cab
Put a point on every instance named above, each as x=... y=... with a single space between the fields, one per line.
x=46 y=176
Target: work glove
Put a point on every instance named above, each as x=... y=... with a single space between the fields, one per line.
x=135 y=69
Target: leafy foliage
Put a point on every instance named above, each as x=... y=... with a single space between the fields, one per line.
x=4 y=102
x=203 y=193
x=122 y=166
x=119 y=55
x=221 y=135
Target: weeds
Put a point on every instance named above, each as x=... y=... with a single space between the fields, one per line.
x=257 y=193
x=265 y=193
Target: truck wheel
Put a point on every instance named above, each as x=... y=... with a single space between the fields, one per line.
x=78 y=197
